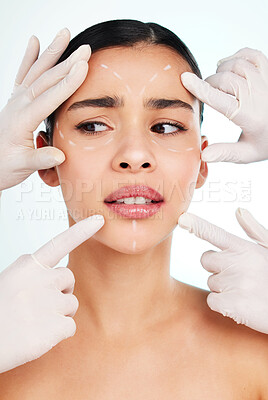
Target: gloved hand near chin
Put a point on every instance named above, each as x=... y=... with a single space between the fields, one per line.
x=240 y=271
x=238 y=90
x=36 y=301
x=40 y=88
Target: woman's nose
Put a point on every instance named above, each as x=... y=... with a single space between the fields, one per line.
x=134 y=155
x=134 y=167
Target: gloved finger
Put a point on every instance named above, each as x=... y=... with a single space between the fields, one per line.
x=224 y=304
x=214 y=283
x=203 y=91
x=255 y=56
x=219 y=302
x=54 y=75
x=48 y=58
x=61 y=245
x=213 y=261
x=38 y=159
x=227 y=152
x=228 y=82
x=252 y=227
x=66 y=304
x=63 y=279
x=240 y=152
x=239 y=66
x=69 y=290
x=67 y=327
x=230 y=272
x=52 y=98
x=30 y=56
x=209 y=232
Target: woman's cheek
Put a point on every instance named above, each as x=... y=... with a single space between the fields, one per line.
x=185 y=178
x=76 y=176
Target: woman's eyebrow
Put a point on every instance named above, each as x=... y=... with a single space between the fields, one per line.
x=115 y=102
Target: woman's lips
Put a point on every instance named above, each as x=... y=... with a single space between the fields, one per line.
x=135 y=211
x=134 y=191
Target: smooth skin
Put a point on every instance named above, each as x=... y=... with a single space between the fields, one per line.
x=141 y=333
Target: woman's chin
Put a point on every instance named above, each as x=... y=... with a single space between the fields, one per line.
x=129 y=242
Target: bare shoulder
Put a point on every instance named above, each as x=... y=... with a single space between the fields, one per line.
x=244 y=349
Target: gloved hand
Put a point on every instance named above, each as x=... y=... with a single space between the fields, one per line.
x=36 y=301
x=239 y=90
x=240 y=271
x=39 y=89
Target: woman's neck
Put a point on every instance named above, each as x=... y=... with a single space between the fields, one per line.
x=121 y=293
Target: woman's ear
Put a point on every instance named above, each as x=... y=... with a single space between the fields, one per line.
x=203 y=171
x=49 y=176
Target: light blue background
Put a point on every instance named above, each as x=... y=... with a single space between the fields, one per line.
x=212 y=30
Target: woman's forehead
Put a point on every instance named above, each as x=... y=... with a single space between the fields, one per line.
x=135 y=73
x=135 y=64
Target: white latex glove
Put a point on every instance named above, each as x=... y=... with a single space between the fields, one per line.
x=36 y=301
x=240 y=271
x=238 y=90
x=40 y=87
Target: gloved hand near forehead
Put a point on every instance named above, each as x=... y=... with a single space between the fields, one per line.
x=40 y=88
x=238 y=90
x=240 y=270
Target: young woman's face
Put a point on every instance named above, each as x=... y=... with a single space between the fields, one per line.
x=130 y=144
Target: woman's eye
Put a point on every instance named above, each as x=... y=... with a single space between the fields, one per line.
x=170 y=130
x=88 y=127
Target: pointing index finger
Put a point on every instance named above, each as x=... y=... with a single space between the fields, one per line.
x=209 y=232
x=215 y=98
x=61 y=245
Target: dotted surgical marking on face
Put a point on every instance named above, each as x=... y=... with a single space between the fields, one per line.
x=72 y=143
x=61 y=134
x=128 y=89
x=142 y=90
x=117 y=75
x=166 y=67
x=182 y=151
x=134 y=225
x=153 y=77
x=89 y=148
x=176 y=151
x=108 y=141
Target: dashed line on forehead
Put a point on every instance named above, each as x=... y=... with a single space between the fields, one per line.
x=167 y=67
